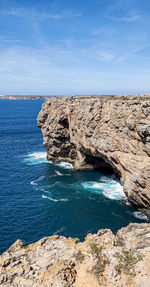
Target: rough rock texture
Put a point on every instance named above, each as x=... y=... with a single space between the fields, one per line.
x=103 y=259
x=102 y=132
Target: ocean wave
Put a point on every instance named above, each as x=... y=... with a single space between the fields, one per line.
x=60 y=173
x=109 y=187
x=65 y=165
x=36 y=158
x=34 y=182
x=92 y=185
x=140 y=215
x=53 y=199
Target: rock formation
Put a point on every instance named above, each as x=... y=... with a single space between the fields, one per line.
x=105 y=133
x=103 y=259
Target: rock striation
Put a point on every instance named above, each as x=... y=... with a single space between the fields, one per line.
x=103 y=259
x=105 y=133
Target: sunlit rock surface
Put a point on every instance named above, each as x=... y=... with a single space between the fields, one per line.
x=103 y=259
x=105 y=133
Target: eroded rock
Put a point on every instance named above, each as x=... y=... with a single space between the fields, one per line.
x=103 y=259
x=102 y=132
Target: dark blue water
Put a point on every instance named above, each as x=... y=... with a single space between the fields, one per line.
x=38 y=198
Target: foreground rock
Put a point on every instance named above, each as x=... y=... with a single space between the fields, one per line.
x=102 y=132
x=103 y=259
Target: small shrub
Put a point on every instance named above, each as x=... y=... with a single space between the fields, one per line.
x=93 y=246
x=139 y=257
x=76 y=240
x=98 y=269
x=127 y=260
x=102 y=260
x=95 y=249
x=118 y=268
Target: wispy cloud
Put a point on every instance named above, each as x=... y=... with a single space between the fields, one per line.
x=129 y=17
x=41 y=15
x=104 y=31
x=123 y=11
x=54 y=70
x=73 y=55
x=5 y=39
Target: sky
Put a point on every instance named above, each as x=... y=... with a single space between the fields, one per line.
x=74 y=47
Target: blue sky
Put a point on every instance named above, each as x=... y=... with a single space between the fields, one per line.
x=68 y=47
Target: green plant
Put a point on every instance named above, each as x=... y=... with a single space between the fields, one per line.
x=76 y=240
x=102 y=260
x=118 y=268
x=130 y=259
x=93 y=246
x=127 y=260
x=95 y=249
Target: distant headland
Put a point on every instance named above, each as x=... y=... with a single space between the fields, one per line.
x=17 y=97
x=42 y=97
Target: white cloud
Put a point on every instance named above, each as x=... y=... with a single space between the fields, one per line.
x=130 y=17
x=41 y=15
x=56 y=71
x=123 y=11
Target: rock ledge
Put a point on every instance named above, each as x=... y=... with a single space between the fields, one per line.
x=103 y=259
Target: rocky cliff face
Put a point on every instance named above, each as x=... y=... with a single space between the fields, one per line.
x=102 y=132
x=103 y=259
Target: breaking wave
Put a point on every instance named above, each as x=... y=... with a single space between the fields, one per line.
x=140 y=215
x=36 y=158
x=35 y=182
x=109 y=187
x=65 y=165
x=53 y=199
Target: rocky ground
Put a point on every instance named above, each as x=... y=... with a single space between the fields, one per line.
x=103 y=259
x=102 y=132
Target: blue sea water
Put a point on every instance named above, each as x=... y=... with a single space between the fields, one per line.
x=39 y=198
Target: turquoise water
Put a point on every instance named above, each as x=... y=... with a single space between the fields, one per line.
x=39 y=198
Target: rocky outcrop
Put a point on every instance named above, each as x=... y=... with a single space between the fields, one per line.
x=102 y=132
x=103 y=259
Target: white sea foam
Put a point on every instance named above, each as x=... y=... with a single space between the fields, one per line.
x=61 y=174
x=48 y=197
x=140 y=215
x=65 y=165
x=115 y=191
x=53 y=199
x=34 y=182
x=58 y=173
x=109 y=187
x=36 y=158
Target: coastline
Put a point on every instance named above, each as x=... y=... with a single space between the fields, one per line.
x=42 y=97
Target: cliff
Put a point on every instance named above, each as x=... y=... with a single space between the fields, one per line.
x=105 y=133
x=103 y=259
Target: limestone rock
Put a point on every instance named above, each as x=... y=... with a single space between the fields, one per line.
x=102 y=132
x=103 y=259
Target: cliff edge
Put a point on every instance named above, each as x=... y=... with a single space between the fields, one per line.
x=105 y=133
x=103 y=259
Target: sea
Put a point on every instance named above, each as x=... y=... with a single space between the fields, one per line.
x=39 y=198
